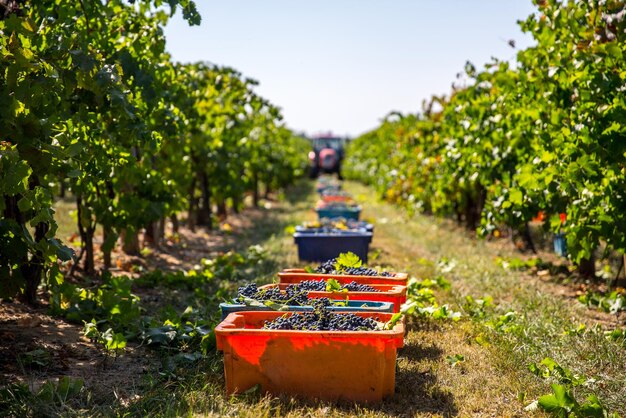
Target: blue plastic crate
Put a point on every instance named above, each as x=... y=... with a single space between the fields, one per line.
x=353 y=306
x=324 y=246
x=340 y=212
x=329 y=189
x=332 y=231
x=358 y=226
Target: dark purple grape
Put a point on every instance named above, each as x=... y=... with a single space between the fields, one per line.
x=291 y=295
x=358 y=287
x=317 y=285
x=322 y=319
x=328 y=267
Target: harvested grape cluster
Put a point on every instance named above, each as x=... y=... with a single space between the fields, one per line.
x=315 y=285
x=321 y=301
x=328 y=267
x=291 y=295
x=321 y=319
x=337 y=225
x=358 y=287
x=320 y=286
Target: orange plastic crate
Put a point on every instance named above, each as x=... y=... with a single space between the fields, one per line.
x=357 y=366
x=298 y=275
x=337 y=198
x=395 y=294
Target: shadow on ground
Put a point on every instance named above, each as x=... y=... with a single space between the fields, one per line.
x=417 y=389
x=276 y=217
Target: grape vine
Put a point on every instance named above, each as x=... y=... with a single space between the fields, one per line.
x=91 y=104
x=544 y=134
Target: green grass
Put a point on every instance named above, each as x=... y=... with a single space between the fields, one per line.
x=493 y=380
x=543 y=317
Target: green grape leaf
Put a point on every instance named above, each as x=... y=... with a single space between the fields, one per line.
x=116 y=342
x=333 y=285
x=559 y=402
x=347 y=260
x=393 y=321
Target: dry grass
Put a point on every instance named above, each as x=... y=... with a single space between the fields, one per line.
x=546 y=315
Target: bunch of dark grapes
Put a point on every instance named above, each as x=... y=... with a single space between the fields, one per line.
x=249 y=291
x=291 y=296
x=314 y=285
x=320 y=286
x=358 y=287
x=328 y=267
x=296 y=295
x=322 y=319
x=364 y=271
x=321 y=302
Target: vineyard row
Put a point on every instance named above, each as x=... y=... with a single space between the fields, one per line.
x=542 y=135
x=91 y=104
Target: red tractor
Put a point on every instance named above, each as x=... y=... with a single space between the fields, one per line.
x=326 y=156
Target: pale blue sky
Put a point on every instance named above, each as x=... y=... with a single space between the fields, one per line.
x=342 y=65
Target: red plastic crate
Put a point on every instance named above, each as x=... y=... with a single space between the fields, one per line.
x=298 y=275
x=357 y=366
x=395 y=294
x=337 y=198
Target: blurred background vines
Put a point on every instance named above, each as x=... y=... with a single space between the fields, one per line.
x=93 y=108
x=541 y=138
